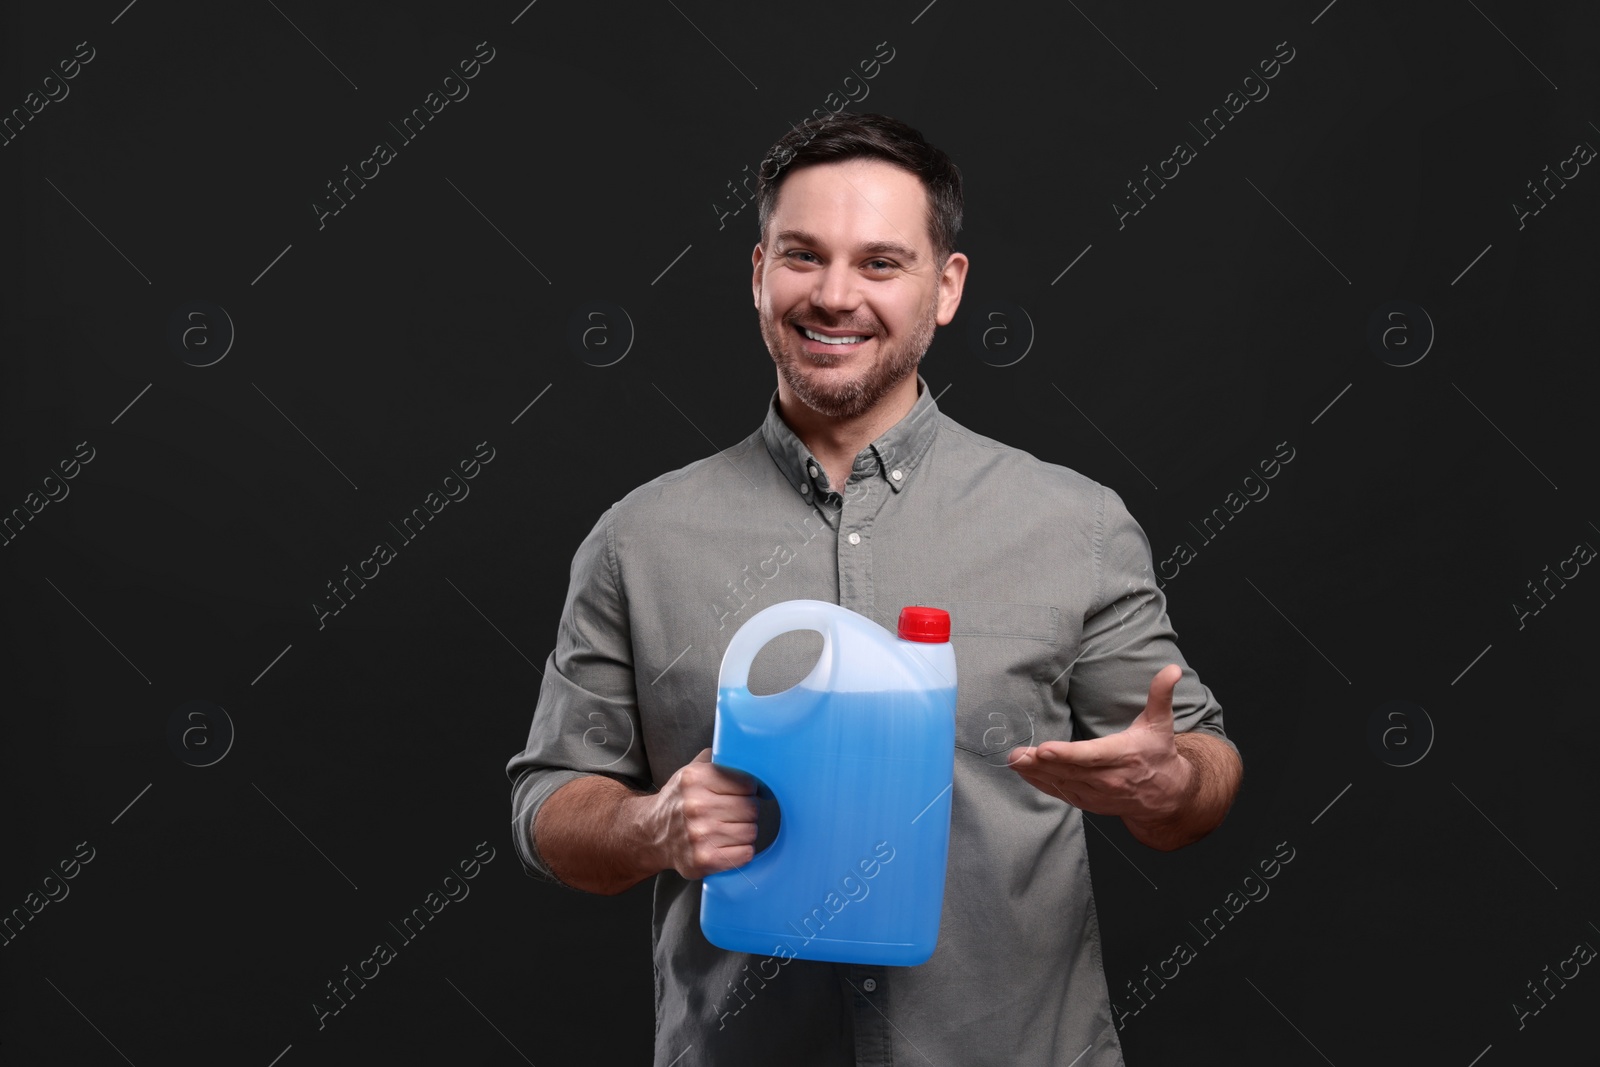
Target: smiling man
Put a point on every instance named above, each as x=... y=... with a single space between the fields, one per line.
x=847 y=337
x=857 y=490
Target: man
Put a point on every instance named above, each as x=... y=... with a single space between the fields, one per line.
x=856 y=490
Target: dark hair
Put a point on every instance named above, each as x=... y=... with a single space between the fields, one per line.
x=845 y=135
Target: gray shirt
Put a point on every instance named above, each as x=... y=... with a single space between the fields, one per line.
x=1058 y=628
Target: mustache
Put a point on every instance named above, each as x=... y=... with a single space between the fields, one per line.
x=814 y=323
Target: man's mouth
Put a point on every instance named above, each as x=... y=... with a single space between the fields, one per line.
x=818 y=342
x=830 y=339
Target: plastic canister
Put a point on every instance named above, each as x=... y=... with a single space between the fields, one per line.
x=860 y=757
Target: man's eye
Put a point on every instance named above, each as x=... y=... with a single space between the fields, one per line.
x=880 y=264
x=797 y=252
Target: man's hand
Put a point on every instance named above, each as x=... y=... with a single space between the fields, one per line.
x=703 y=820
x=1166 y=792
x=600 y=836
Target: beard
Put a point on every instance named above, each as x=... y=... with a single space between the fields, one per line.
x=850 y=397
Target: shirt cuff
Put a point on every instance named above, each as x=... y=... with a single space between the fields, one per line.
x=527 y=797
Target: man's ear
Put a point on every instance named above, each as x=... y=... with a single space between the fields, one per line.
x=952 y=279
x=756 y=259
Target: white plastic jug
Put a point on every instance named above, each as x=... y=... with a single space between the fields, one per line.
x=860 y=757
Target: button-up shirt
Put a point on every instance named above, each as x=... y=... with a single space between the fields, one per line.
x=1058 y=627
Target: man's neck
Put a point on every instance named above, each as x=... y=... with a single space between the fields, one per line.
x=837 y=442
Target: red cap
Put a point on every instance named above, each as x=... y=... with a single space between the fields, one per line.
x=931 y=625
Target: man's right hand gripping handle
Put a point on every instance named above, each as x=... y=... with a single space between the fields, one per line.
x=602 y=837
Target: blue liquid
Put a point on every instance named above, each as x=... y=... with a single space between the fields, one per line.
x=862 y=780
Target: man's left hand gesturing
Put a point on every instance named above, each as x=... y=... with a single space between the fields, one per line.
x=1138 y=774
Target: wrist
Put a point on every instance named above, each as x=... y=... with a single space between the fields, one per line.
x=1161 y=826
x=641 y=836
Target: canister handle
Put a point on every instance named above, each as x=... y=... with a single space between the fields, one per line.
x=770 y=622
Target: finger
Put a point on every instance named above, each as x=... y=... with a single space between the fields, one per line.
x=744 y=810
x=1050 y=777
x=734 y=856
x=1081 y=792
x=718 y=809
x=1095 y=752
x=710 y=858
x=720 y=779
x=730 y=782
x=733 y=833
x=1042 y=784
x=1071 y=798
x=1080 y=795
x=1158 y=708
x=1085 y=792
x=1097 y=785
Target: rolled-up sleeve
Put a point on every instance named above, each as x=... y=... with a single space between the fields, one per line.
x=1127 y=638
x=586 y=720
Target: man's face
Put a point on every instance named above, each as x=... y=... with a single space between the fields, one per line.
x=848 y=255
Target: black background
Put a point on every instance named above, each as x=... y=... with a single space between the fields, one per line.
x=592 y=161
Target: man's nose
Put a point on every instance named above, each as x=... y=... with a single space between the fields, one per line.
x=837 y=288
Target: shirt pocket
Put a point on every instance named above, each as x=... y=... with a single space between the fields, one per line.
x=1006 y=653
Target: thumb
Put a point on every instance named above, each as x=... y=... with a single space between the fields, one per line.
x=1158 y=708
x=703 y=757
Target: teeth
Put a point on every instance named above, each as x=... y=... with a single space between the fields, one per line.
x=831 y=340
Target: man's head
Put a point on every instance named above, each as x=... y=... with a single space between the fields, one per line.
x=858 y=216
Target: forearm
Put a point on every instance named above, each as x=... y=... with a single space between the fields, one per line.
x=1213 y=783
x=594 y=835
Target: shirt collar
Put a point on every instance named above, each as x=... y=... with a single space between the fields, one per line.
x=893 y=457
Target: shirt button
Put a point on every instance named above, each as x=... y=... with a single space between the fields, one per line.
x=896 y=475
x=869 y=984
x=855 y=539
x=813 y=470
x=805 y=487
